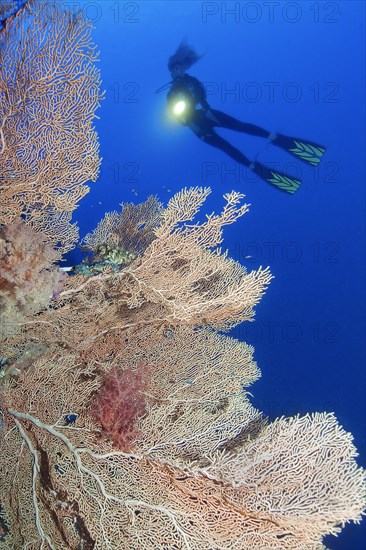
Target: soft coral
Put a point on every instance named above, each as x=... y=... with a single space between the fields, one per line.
x=120 y=403
x=28 y=275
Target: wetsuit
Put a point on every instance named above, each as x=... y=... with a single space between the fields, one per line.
x=203 y=120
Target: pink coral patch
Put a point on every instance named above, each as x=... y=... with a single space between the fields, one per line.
x=119 y=404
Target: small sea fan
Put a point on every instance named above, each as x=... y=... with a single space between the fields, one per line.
x=120 y=403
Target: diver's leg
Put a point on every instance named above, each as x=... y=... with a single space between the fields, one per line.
x=274 y=177
x=226 y=121
x=306 y=150
x=217 y=141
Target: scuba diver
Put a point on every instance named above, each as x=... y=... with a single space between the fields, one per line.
x=188 y=103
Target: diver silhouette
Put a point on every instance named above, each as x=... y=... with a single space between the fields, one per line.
x=187 y=102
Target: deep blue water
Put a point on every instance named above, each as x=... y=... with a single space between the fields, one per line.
x=291 y=67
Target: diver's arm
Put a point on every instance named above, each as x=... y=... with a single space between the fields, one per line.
x=191 y=90
x=197 y=91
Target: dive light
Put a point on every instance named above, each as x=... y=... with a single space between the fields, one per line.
x=179 y=107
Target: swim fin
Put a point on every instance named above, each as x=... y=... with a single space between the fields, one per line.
x=282 y=181
x=305 y=150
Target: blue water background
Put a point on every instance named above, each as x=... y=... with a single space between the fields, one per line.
x=292 y=67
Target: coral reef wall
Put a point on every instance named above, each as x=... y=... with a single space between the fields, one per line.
x=177 y=457
x=125 y=411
